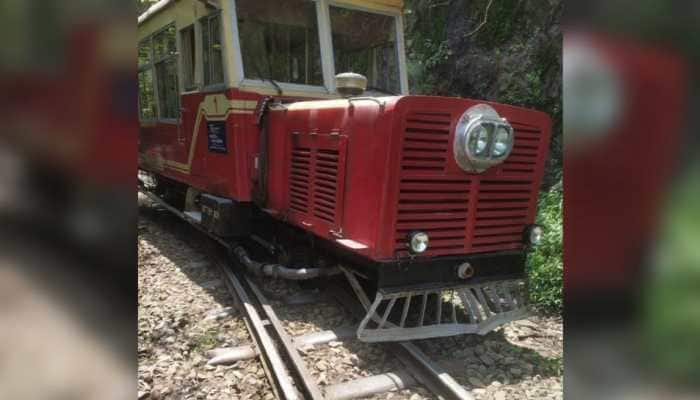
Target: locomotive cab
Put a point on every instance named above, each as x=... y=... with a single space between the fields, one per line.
x=426 y=204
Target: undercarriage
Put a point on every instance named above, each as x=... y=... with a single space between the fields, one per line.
x=403 y=300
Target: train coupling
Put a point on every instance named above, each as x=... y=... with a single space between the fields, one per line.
x=477 y=308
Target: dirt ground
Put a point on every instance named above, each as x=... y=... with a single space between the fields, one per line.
x=185 y=310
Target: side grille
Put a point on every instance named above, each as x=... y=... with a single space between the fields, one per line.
x=325 y=184
x=300 y=179
x=316 y=183
x=426 y=142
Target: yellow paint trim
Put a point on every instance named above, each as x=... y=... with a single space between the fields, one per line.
x=209 y=110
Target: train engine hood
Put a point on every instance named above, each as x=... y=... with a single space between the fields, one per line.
x=366 y=172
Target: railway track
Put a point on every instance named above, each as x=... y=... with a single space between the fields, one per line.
x=280 y=355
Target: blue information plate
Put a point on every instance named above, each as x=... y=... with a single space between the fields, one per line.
x=216 y=133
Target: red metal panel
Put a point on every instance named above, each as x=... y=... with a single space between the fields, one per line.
x=372 y=171
x=316 y=180
x=179 y=150
x=490 y=210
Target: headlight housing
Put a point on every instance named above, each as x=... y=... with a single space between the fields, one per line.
x=482 y=139
x=418 y=242
x=533 y=235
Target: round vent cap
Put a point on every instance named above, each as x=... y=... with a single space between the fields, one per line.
x=350 y=84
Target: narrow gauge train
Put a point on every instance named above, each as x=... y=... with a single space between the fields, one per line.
x=426 y=204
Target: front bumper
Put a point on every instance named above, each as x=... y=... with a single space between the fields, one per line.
x=442 y=271
x=474 y=308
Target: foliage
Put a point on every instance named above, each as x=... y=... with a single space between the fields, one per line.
x=545 y=265
x=501 y=21
x=427 y=49
x=671 y=317
x=204 y=342
x=553 y=366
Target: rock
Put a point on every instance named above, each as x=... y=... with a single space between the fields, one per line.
x=500 y=395
x=175 y=333
x=221 y=313
x=474 y=381
x=486 y=359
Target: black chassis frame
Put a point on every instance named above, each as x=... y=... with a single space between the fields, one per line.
x=417 y=272
x=406 y=273
x=441 y=272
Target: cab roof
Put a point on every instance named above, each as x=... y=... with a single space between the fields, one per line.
x=163 y=4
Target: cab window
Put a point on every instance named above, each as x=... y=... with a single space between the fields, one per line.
x=188 y=53
x=212 y=54
x=147 y=104
x=165 y=61
x=280 y=43
x=365 y=43
x=159 y=95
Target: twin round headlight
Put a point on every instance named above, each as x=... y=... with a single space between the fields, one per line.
x=482 y=139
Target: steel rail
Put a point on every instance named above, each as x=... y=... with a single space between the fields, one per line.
x=272 y=362
x=418 y=364
x=311 y=389
x=264 y=342
x=427 y=372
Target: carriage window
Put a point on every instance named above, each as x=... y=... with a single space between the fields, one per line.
x=365 y=43
x=147 y=104
x=187 y=43
x=280 y=43
x=164 y=43
x=165 y=55
x=144 y=53
x=212 y=56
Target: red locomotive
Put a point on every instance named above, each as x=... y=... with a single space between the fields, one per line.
x=428 y=203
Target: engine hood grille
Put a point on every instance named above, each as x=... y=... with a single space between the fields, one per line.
x=463 y=212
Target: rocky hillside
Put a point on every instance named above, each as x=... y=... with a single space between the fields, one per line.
x=501 y=50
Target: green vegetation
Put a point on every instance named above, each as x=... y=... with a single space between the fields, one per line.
x=671 y=316
x=545 y=265
x=204 y=342
x=427 y=48
x=501 y=21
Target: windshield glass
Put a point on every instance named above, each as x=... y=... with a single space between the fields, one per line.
x=280 y=42
x=365 y=43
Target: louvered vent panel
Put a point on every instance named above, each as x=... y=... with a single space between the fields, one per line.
x=325 y=184
x=438 y=203
x=425 y=144
x=300 y=179
x=523 y=158
x=316 y=177
x=435 y=206
x=501 y=215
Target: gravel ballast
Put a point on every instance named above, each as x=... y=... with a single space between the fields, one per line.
x=185 y=310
